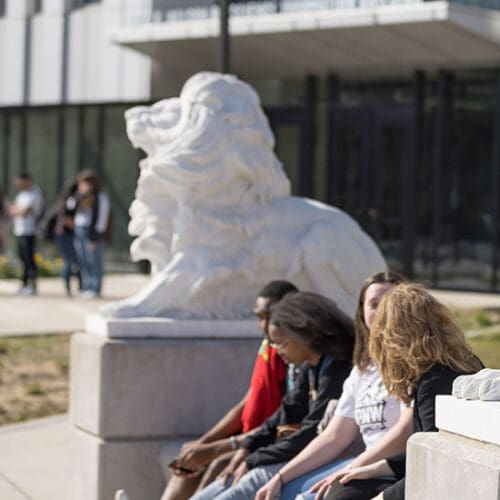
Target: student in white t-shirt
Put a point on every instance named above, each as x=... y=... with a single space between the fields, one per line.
x=363 y=408
x=26 y=210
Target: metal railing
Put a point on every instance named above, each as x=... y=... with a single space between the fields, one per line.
x=186 y=10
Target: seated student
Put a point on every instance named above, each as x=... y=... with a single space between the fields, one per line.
x=364 y=408
x=309 y=331
x=267 y=387
x=420 y=351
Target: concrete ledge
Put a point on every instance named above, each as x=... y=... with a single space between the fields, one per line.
x=142 y=389
x=448 y=466
x=171 y=328
x=474 y=419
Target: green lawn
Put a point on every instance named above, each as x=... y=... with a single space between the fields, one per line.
x=487 y=347
x=34 y=370
x=33 y=377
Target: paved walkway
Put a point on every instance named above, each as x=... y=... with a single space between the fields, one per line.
x=51 y=311
x=35 y=456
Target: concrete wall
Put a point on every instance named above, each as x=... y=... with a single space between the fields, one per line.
x=450 y=466
x=129 y=399
x=462 y=460
x=31 y=54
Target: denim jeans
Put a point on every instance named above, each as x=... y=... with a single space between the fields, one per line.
x=90 y=260
x=299 y=488
x=246 y=489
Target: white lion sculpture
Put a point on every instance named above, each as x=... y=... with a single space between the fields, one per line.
x=214 y=216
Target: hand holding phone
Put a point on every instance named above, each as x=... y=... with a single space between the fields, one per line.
x=179 y=469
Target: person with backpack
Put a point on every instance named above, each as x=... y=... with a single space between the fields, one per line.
x=60 y=229
x=91 y=221
x=26 y=212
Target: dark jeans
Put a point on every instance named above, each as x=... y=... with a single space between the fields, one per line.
x=65 y=243
x=26 y=249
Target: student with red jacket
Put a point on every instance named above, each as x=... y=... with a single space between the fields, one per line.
x=267 y=387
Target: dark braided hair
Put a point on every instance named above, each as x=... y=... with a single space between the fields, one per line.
x=317 y=321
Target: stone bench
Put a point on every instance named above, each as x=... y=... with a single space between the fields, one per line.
x=462 y=460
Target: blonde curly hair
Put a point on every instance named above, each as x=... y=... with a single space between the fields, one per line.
x=411 y=332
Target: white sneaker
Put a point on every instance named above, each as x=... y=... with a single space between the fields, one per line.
x=121 y=495
x=88 y=294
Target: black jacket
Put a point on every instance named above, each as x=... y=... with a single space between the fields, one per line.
x=300 y=406
x=438 y=380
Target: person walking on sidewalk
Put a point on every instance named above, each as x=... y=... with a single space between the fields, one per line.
x=26 y=210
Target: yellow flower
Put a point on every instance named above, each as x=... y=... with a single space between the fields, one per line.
x=38 y=258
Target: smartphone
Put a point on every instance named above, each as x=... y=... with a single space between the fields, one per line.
x=173 y=465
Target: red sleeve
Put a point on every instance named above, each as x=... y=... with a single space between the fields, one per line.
x=267 y=387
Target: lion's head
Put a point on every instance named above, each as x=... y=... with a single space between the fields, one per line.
x=212 y=145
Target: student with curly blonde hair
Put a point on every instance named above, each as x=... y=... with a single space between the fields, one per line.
x=364 y=409
x=419 y=350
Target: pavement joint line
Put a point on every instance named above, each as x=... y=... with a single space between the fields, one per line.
x=16 y=487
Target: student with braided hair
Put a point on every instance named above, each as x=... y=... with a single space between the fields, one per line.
x=311 y=332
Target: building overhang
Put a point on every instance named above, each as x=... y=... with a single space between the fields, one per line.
x=356 y=42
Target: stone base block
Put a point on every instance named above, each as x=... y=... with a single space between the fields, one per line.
x=156 y=388
x=449 y=466
x=133 y=400
x=102 y=467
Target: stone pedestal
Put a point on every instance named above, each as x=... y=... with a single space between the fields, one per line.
x=462 y=460
x=151 y=390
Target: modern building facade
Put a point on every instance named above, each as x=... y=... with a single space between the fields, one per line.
x=389 y=109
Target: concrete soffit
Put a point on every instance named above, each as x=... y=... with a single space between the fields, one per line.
x=360 y=42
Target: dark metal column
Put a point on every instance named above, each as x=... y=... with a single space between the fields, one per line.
x=409 y=174
x=6 y=152
x=333 y=92
x=495 y=179
x=224 y=50
x=81 y=137
x=101 y=128
x=23 y=140
x=308 y=149
x=61 y=145
x=438 y=161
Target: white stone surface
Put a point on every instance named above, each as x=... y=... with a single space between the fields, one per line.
x=134 y=399
x=156 y=388
x=214 y=216
x=445 y=466
x=101 y=467
x=171 y=328
x=474 y=419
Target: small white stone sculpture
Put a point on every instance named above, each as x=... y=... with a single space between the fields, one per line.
x=483 y=385
x=214 y=216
